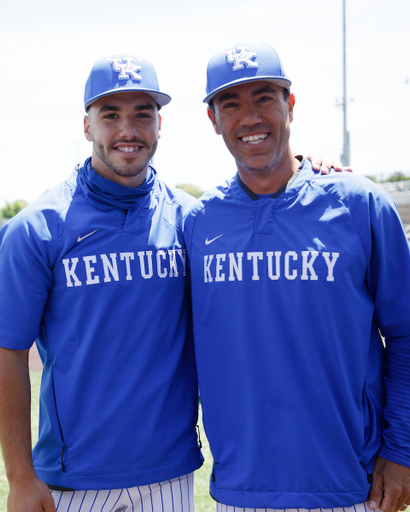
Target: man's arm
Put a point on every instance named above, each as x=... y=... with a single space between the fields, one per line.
x=27 y=492
x=390 y=490
x=388 y=280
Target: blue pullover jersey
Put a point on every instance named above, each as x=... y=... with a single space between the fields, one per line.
x=96 y=272
x=289 y=294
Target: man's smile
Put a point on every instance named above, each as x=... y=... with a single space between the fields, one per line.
x=254 y=139
x=126 y=149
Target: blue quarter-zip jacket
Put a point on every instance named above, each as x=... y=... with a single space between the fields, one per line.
x=96 y=273
x=289 y=296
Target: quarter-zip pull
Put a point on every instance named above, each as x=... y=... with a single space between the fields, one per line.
x=125 y=212
x=213 y=470
x=62 y=459
x=369 y=476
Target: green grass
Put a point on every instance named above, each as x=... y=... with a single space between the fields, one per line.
x=203 y=502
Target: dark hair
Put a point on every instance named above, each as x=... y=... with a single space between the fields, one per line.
x=211 y=105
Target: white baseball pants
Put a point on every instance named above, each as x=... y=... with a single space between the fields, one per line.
x=175 y=495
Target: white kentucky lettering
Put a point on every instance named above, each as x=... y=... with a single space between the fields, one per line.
x=255 y=256
x=270 y=265
x=144 y=273
x=105 y=268
x=127 y=70
x=235 y=266
x=127 y=256
x=70 y=272
x=294 y=256
x=207 y=264
x=89 y=270
x=330 y=264
x=161 y=255
x=220 y=276
x=182 y=254
x=241 y=58
x=308 y=265
x=277 y=265
x=173 y=270
x=110 y=268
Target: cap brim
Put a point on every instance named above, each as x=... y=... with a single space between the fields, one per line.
x=281 y=82
x=161 y=98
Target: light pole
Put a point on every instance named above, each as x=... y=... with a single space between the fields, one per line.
x=346 y=137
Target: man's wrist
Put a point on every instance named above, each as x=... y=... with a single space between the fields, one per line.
x=20 y=475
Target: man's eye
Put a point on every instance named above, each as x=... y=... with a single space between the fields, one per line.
x=229 y=105
x=111 y=116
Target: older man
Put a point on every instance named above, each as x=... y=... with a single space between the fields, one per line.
x=294 y=277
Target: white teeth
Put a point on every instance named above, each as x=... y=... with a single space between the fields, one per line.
x=127 y=149
x=255 y=139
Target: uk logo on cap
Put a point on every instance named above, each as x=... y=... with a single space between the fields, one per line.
x=240 y=57
x=126 y=69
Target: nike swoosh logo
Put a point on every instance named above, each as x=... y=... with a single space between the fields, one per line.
x=207 y=242
x=80 y=238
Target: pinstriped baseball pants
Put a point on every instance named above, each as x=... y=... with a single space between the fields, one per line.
x=361 y=507
x=175 y=495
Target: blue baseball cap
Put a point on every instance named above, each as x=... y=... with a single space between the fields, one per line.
x=123 y=73
x=244 y=63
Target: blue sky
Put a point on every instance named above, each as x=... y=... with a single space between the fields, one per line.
x=48 y=48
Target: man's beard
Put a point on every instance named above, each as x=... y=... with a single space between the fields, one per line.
x=130 y=168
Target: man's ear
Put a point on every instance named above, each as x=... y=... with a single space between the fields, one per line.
x=159 y=125
x=87 y=129
x=212 y=118
x=291 y=104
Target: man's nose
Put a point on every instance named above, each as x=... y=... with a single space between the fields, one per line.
x=250 y=116
x=128 y=128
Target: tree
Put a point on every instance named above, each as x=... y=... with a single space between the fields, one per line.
x=12 y=209
x=191 y=189
x=398 y=176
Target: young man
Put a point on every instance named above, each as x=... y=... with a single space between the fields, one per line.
x=294 y=276
x=95 y=270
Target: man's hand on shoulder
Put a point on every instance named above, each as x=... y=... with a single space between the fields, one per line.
x=324 y=163
x=32 y=496
x=390 y=490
